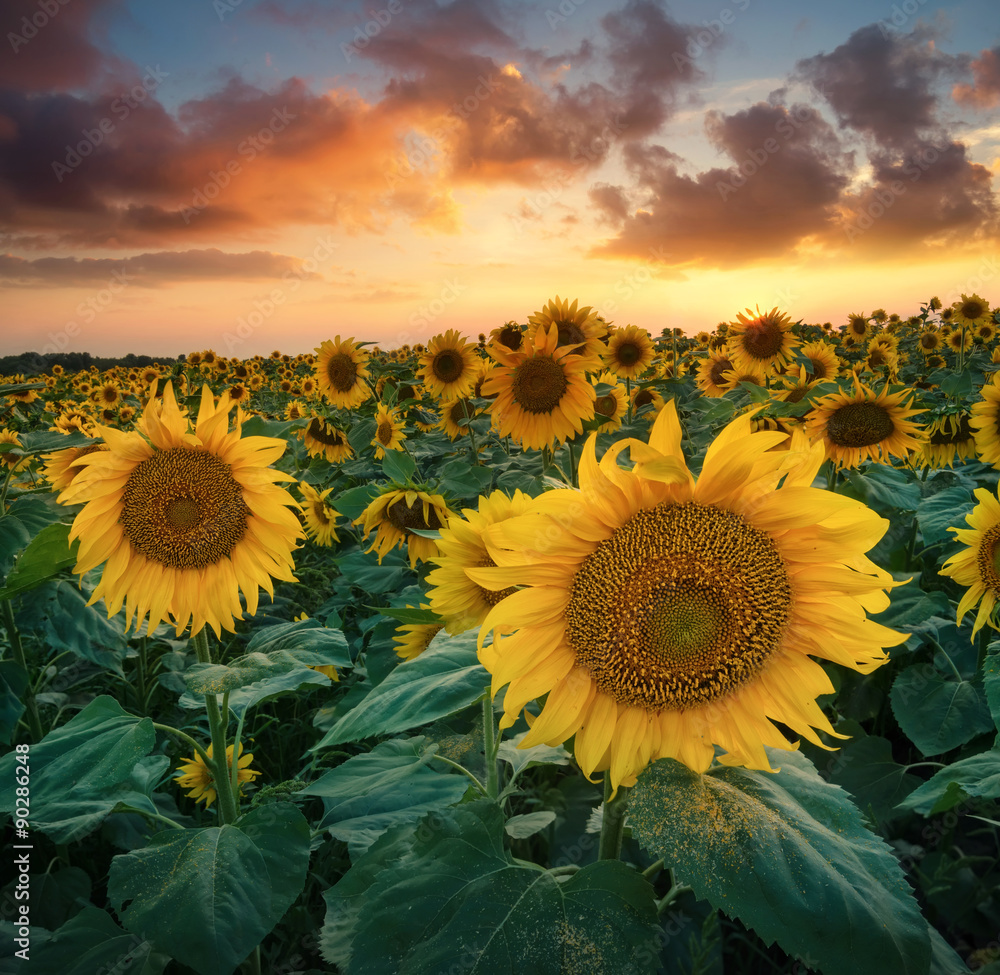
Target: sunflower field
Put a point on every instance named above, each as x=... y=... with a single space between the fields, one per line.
x=570 y=650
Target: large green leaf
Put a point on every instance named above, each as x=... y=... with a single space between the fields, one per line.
x=977 y=776
x=42 y=441
x=789 y=855
x=445 y=678
x=209 y=896
x=304 y=635
x=884 y=488
x=79 y=771
x=48 y=553
x=13 y=537
x=394 y=783
x=865 y=768
x=448 y=893
x=13 y=684
x=944 y=510
x=91 y=942
x=938 y=713
x=991 y=682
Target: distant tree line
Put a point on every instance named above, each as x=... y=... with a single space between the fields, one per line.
x=36 y=364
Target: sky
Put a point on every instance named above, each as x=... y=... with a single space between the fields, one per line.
x=251 y=175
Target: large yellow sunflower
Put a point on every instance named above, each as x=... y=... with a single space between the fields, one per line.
x=459 y=601
x=611 y=408
x=184 y=517
x=581 y=330
x=857 y=326
x=319 y=517
x=663 y=616
x=929 y=341
x=863 y=426
x=450 y=366
x=711 y=372
x=388 y=432
x=455 y=416
x=323 y=439
x=197 y=778
x=341 y=373
x=761 y=341
x=541 y=392
x=630 y=352
x=59 y=469
x=823 y=358
x=977 y=566
x=395 y=512
x=971 y=310
x=985 y=422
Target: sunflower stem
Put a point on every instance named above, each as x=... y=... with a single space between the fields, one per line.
x=14 y=639
x=613 y=820
x=573 y=476
x=653 y=869
x=490 y=745
x=628 y=399
x=461 y=768
x=177 y=733
x=984 y=642
x=472 y=437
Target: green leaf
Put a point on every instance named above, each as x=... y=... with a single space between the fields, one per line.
x=13 y=537
x=527 y=824
x=938 y=713
x=464 y=480
x=43 y=441
x=445 y=678
x=910 y=608
x=13 y=684
x=398 y=466
x=328 y=644
x=991 y=681
x=521 y=758
x=209 y=896
x=421 y=901
x=403 y=614
x=394 y=783
x=360 y=435
x=883 y=487
x=48 y=553
x=78 y=769
x=958 y=384
x=361 y=570
x=944 y=510
x=91 y=942
x=977 y=776
x=37 y=509
x=352 y=503
x=865 y=768
x=789 y=855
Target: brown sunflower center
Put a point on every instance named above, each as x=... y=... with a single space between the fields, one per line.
x=183 y=508
x=642 y=398
x=405 y=517
x=539 y=384
x=857 y=326
x=952 y=433
x=859 y=425
x=459 y=410
x=681 y=605
x=570 y=334
x=492 y=596
x=342 y=371
x=877 y=357
x=628 y=354
x=716 y=370
x=511 y=336
x=928 y=341
x=818 y=368
x=988 y=559
x=972 y=308
x=324 y=434
x=606 y=405
x=384 y=433
x=763 y=339
x=448 y=365
x=322 y=513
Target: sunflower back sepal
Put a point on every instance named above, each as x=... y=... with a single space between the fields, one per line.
x=790 y=856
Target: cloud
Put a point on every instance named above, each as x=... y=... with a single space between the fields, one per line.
x=150 y=270
x=984 y=92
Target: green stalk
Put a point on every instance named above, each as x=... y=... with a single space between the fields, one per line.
x=228 y=810
x=177 y=733
x=613 y=821
x=14 y=638
x=468 y=429
x=490 y=744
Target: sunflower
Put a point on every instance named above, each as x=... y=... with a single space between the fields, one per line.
x=395 y=512
x=985 y=422
x=647 y=403
x=948 y=437
x=985 y=332
x=459 y=601
x=959 y=340
x=857 y=327
x=970 y=310
x=935 y=362
x=195 y=776
x=761 y=341
x=663 y=616
x=881 y=356
x=823 y=358
x=581 y=330
x=864 y=426
x=455 y=416
x=611 y=408
x=542 y=393
x=12 y=459
x=183 y=517
x=629 y=353
x=929 y=341
x=388 y=432
x=415 y=638
x=59 y=470
x=296 y=410
x=449 y=366
x=341 y=371
x=323 y=439
x=319 y=517
x=711 y=372
x=977 y=566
